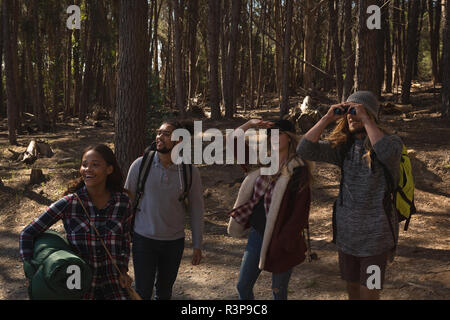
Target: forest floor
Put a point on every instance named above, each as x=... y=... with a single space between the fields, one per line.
x=421 y=269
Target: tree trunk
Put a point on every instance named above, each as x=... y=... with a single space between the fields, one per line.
x=213 y=57
x=56 y=67
x=224 y=40
x=286 y=55
x=261 y=60
x=333 y=12
x=15 y=16
x=41 y=113
x=422 y=9
x=229 y=92
x=132 y=82
x=380 y=56
x=157 y=11
x=76 y=70
x=388 y=49
x=446 y=62
x=348 y=51
x=193 y=10
x=2 y=105
x=250 y=56
x=9 y=70
x=308 y=72
x=434 y=20
x=411 y=41
x=278 y=62
x=366 y=58
x=87 y=78
x=178 y=32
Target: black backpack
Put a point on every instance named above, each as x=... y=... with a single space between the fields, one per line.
x=144 y=169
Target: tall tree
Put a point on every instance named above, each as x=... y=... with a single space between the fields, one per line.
x=77 y=75
x=40 y=96
x=2 y=104
x=434 y=22
x=132 y=81
x=262 y=51
x=278 y=58
x=349 y=54
x=446 y=62
x=380 y=34
x=413 y=16
x=284 y=109
x=250 y=55
x=213 y=57
x=388 y=48
x=366 y=58
x=15 y=16
x=229 y=84
x=310 y=18
x=193 y=9
x=91 y=36
x=68 y=90
x=11 y=89
x=333 y=15
x=178 y=8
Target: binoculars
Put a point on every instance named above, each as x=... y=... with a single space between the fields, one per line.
x=346 y=109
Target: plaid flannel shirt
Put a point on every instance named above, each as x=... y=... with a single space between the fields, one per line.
x=114 y=226
x=263 y=187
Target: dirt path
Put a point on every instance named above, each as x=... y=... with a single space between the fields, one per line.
x=420 y=271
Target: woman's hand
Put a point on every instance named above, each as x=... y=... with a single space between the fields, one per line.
x=256 y=123
x=331 y=116
x=361 y=112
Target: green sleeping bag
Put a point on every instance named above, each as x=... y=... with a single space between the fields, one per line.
x=55 y=272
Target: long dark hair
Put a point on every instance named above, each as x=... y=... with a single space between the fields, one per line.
x=114 y=181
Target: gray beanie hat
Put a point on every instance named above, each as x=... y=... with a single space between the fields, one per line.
x=368 y=100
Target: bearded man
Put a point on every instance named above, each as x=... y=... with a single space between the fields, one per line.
x=365 y=228
x=158 y=238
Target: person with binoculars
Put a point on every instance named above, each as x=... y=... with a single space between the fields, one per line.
x=361 y=229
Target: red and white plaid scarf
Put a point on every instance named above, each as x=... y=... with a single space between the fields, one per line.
x=263 y=187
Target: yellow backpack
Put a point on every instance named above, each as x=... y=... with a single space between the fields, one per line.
x=403 y=191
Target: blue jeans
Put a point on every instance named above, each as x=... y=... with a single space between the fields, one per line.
x=156 y=259
x=249 y=272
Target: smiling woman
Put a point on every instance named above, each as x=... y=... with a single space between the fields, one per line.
x=96 y=201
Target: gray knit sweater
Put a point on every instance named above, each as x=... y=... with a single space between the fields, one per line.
x=361 y=224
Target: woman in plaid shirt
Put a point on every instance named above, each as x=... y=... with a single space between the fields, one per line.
x=273 y=210
x=100 y=188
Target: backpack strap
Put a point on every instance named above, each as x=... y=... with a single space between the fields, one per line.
x=187 y=181
x=144 y=170
x=390 y=197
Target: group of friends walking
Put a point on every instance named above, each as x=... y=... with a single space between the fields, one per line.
x=146 y=216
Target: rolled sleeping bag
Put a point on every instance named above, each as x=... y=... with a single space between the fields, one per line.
x=62 y=276
x=55 y=272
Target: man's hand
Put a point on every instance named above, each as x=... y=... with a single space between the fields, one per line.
x=196 y=257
